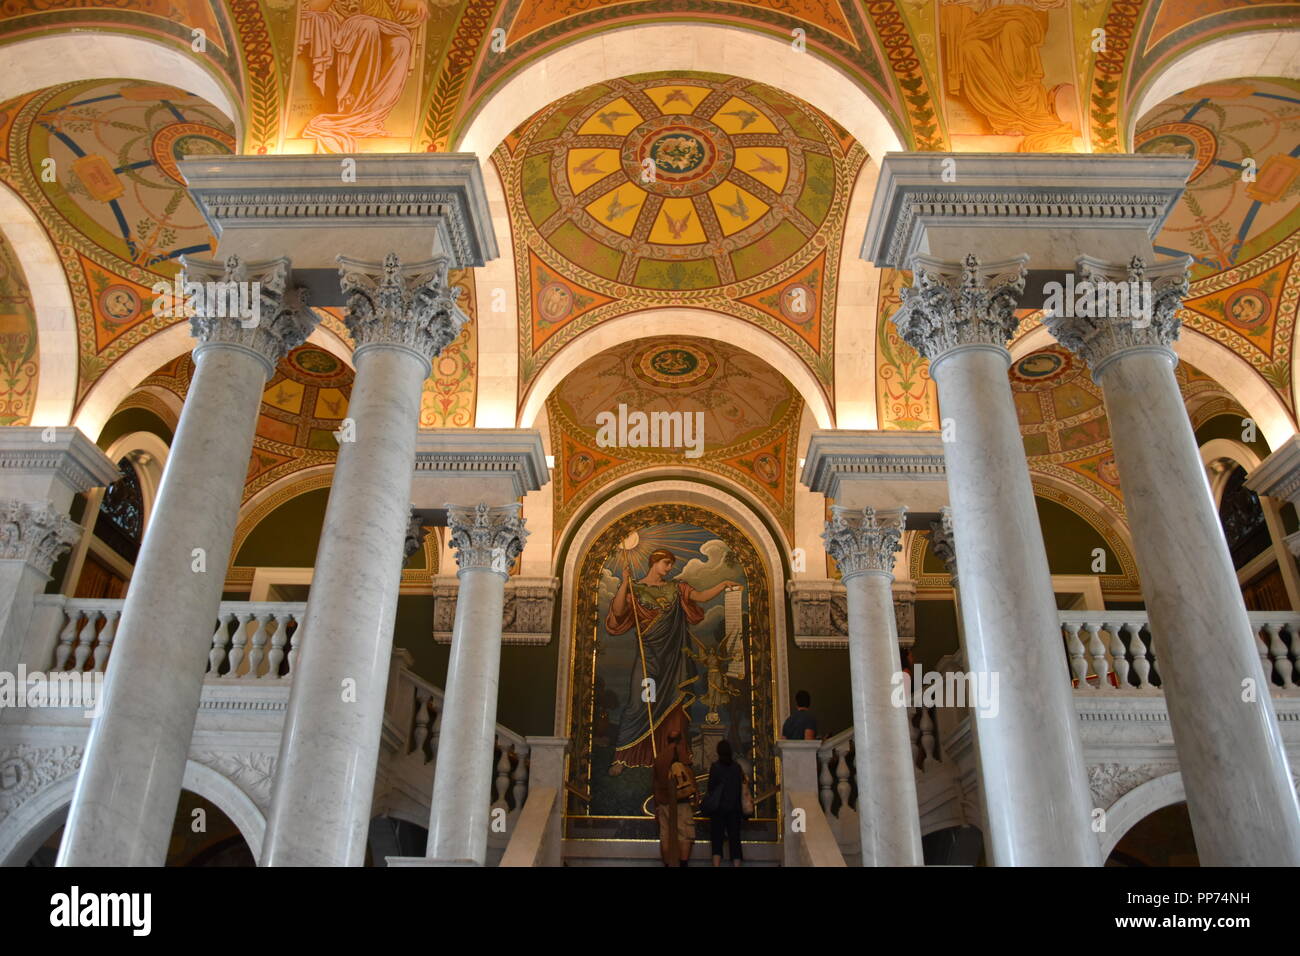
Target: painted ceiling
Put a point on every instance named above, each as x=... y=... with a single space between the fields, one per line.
x=18 y=363
x=684 y=190
x=750 y=411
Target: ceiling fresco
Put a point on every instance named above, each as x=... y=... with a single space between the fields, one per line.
x=678 y=190
x=750 y=414
x=18 y=365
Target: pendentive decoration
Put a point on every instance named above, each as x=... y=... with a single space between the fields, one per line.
x=1146 y=317
x=950 y=305
x=35 y=533
x=864 y=540
x=486 y=537
x=271 y=325
x=412 y=306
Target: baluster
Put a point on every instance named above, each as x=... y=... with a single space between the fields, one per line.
x=66 y=639
x=1277 y=651
x=1295 y=648
x=239 y=642
x=220 y=639
x=1261 y=647
x=1078 y=665
x=420 y=734
x=278 y=639
x=435 y=731
x=106 y=636
x=82 y=652
x=1141 y=666
x=1118 y=655
x=926 y=730
x=520 y=775
x=843 y=786
x=1097 y=651
x=502 y=786
x=258 y=649
x=825 y=782
x=299 y=634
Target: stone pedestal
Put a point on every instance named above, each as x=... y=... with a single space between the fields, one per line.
x=1239 y=790
x=960 y=316
x=486 y=541
x=863 y=544
x=131 y=775
x=400 y=317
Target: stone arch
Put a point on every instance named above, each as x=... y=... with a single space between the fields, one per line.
x=46 y=810
x=1143 y=800
x=141 y=361
x=280 y=491
x=149 y=472
x=654 y=487
x=1252 y=53
x=656 y=47
x=723 y=328
x=1217 y=449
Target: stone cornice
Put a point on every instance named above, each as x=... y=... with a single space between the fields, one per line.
x=284 y=321
x=440 y=194
x=1278 y=475
x=864 y=540
x=63 y=452
x=486 y=538
x=839 y=456
x=1098 y=340
x=954 y=305
x=515 y=454
x=917 y=191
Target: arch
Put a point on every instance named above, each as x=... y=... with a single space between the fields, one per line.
x=150 y=471
x=143 y=359
x=253 y=511
x=654 y=488
x=722 y=328
x=46 y=810
x=1215 y=359
x=1143 y=800
x=35 y=63
x=1251 y=53
x=56 y=320
x=1098 y=514
x=1217 y=449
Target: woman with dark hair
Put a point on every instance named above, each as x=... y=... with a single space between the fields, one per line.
x=724 y=804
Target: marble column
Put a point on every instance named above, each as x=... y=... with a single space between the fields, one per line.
x=1239 y=791
x=863 y=543
x=400 y=317
x=32 y=536
x=960 y=316
x=486 y=541
x=130 y=781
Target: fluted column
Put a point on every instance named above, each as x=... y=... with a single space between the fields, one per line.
x=960 y=316
x=1239 y=791
x=400 y=317
x=486 y=541
x=863 y=543
x=131 y=774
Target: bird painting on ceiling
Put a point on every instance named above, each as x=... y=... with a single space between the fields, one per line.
x=610 y=117
x=588 y=167
x=746 y=117
x=765 y=165
x=617 y=210
x=678 y=226
x=676 y=96
x=738 y=208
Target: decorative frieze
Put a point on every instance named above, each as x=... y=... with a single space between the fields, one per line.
x=525 y=619
x=34 y=460
x=279 y=322
x=1110 y=781
x=485 y=537
x=821 y=618
x=252 y=771
x=35 y=533
x=951 y=305
x=864 y=540
x=26 y=770
x=1148 y=309
x=390 y=304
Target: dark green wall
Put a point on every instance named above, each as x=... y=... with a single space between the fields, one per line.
x=288 y=536
x=1229 y=426
x=133 y=420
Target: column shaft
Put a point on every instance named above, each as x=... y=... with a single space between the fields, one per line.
x=1036 y=789
x=329 y=749
x=462 y=786
x=1239 y=790
x=131 y=774
x=888 y=817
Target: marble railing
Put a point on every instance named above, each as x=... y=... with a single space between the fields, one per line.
x=1113 y=651
x=250 y=640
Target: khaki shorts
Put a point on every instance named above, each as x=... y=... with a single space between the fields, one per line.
x=685 y=821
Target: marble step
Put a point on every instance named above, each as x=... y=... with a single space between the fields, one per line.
x=646 y=853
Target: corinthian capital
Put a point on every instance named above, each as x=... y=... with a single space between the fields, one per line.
x=1115 y=307
x=943 y=543
x=486 y=537
x=411 y=306
x=247 y=304
x=862 y=540
x=35 y=533
x=950 y=305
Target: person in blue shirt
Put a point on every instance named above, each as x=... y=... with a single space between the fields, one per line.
x=801 y=725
